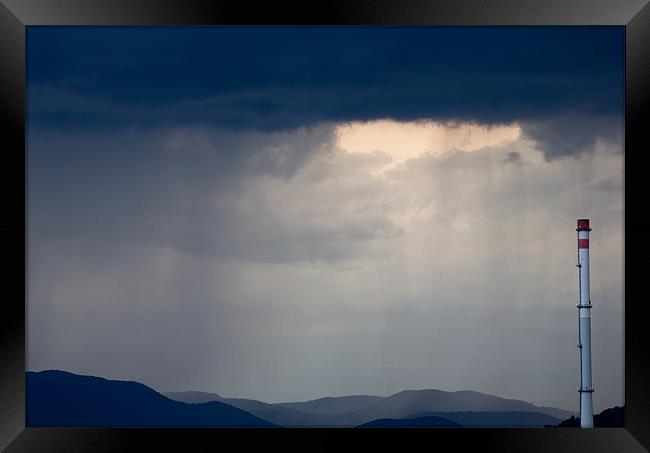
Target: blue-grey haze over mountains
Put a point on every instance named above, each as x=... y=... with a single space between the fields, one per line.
x=284 y=214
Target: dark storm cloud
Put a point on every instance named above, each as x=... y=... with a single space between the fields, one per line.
x=283 y=78
x=569 y=134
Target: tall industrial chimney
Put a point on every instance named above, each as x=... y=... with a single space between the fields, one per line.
x=584 y=326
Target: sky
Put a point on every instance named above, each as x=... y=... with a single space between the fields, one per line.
x=290 y=213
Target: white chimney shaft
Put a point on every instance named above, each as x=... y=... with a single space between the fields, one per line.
x=584 y=326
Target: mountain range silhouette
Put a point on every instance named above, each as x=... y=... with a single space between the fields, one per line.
x=60 y=398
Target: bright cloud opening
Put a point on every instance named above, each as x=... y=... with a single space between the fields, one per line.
x=402 y=141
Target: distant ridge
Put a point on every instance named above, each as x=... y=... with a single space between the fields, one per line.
x=360 y=409
x=405 y=404
x=333 y=405
x=59 y=398
x=283 y=416
x=193 y=397
x=321 y=406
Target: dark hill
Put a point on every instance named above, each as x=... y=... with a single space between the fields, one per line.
x=59 y=398
x=420 y=422
x=614 y=417
x=487 y=419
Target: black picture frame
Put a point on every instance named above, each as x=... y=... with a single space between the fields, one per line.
x=15 y=15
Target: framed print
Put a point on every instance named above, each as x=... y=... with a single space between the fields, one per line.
x=377 y=222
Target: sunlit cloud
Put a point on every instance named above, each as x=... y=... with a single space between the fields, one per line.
x=402 y=141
